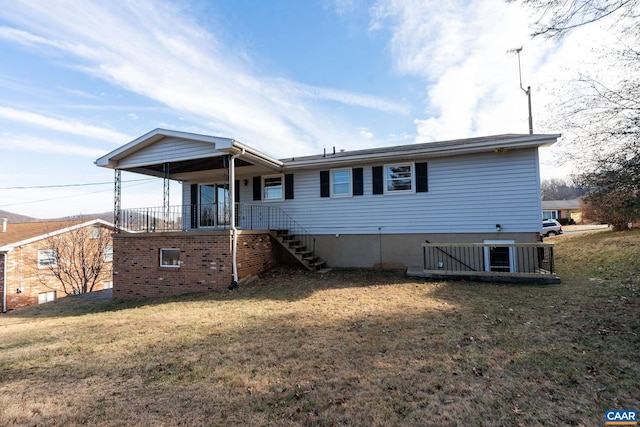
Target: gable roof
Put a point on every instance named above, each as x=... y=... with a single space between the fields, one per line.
x=207 y=147
x=19 y=234
x=183 y=153
x=496 y=143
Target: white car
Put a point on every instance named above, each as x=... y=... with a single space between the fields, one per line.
x=551 y=227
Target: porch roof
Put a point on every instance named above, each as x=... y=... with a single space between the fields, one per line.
x=185 y=153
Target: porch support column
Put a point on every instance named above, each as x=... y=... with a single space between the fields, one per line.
x=234 y=230
x=4 y=283
x=117 y=188
x=165 y=196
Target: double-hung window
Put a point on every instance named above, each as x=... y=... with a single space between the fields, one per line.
x=94 y=232
x=47 y=258
x=108 y=253
x=399 y=178
x=272 y=187
x=340 y=182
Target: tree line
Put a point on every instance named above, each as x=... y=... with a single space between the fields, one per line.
x=601 y=113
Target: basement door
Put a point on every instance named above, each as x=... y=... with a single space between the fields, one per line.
x=499 y=258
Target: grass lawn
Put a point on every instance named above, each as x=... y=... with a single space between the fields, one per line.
x=350 y=347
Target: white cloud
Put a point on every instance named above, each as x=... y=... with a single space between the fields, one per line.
x=456 y=49
x=459 y=50
x=365 y=133
x=64 y=125
x=154 y=49
x=39 y=145
x=341 y=96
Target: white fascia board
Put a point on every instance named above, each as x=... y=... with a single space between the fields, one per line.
x=10 y=246
x=111 y=160
x=253 y=156
x=428 y=152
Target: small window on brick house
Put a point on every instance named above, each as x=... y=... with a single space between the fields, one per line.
x=46 y=297
x=47 y=258
x=94 y=232
x=170 y=257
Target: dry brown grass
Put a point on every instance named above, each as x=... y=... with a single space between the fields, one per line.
x=345 y=348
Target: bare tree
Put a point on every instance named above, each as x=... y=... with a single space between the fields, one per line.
x=614 y=197
x=556 y=18
x=602 y=116
x=615 y=208
x=602 y=112
x=560 y=189
x=79 y=258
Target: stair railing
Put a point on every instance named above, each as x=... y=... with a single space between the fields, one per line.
x=261 y=217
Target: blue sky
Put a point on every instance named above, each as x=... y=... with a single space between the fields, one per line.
x=80 y=78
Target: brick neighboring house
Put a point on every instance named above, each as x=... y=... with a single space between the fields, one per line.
x=25 y=254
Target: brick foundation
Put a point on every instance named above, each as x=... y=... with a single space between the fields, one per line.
x=205 y=262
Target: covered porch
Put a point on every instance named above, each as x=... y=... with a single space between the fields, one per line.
x=181 y=156
x=207 y=241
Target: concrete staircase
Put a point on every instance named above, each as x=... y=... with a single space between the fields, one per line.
x=299 y=247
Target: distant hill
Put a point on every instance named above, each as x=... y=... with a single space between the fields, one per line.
x=107 y=216
x=13 y=217
x=17 y=218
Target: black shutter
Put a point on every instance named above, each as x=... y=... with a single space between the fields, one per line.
x=288 y=186
x=257 y=188
x=358 y=182
x=422 y=179
x=324 y=183
x=236 y=191
x=194 y=205
x=378 y=182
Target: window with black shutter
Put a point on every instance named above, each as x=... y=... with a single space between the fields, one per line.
x=288 y=186
x=324 y=183
x=378 y=180
x=422 y=179
x=194 y=206
x=358 y=182
x=257 y=188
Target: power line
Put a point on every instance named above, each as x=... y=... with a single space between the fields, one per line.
x=72 y=185
x=74 y=195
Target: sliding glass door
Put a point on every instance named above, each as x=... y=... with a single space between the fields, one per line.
x=215 y=206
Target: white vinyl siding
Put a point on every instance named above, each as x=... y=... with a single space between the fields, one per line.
x=467 y=194
x=169 y=149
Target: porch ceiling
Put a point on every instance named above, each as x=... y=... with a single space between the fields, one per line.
x=179 y=168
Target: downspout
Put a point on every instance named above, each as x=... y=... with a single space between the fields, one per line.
x=234 y=230
x=4 y=284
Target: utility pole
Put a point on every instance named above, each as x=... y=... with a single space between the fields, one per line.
x=526 y=91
